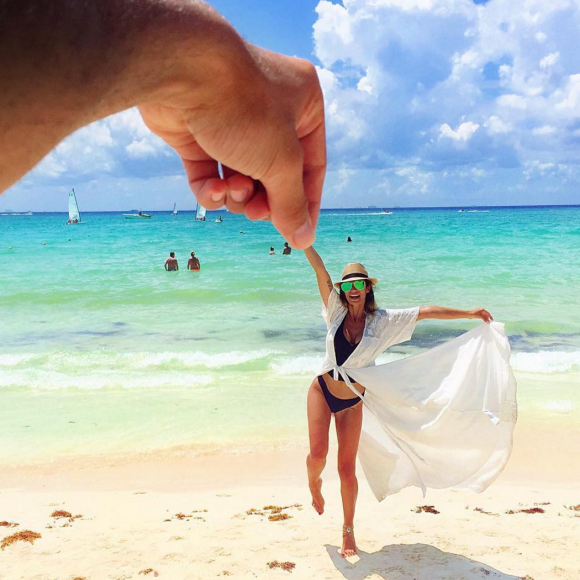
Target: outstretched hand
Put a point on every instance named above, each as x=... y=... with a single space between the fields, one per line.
x=482 y=313
x=262 y=117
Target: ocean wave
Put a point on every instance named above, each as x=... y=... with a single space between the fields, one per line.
x=157 y=364
x=10 y=360
x=298 y=365
x=546 y=362
x=198 y=359
x=65 y=360
x=53 y=381
x=311 y=364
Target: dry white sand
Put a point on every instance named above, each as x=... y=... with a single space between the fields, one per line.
x=130 y=528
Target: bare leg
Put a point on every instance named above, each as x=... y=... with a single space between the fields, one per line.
x=318 y=424
x=348 y=428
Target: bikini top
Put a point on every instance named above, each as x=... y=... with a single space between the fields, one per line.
x=342 y=348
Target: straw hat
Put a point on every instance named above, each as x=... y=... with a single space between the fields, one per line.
x=355 y=271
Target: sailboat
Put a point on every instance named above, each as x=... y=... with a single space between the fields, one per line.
x=174 y=212
x=200 y=213
x=74 y=216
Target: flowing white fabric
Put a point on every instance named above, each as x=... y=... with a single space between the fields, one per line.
x=442 y=418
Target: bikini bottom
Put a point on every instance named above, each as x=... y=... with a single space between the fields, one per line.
x=334 y=403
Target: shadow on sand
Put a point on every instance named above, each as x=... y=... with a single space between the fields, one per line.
x=414 y=562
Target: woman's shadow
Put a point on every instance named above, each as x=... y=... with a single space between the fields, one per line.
x=414 y=562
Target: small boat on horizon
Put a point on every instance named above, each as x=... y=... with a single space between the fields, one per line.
x=219 y=220
x=137 y=216
x=174 y=212
x=386 y=211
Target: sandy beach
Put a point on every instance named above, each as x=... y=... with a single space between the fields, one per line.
x=249 y=516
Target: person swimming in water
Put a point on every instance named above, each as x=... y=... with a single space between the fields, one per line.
x=193 y=263
x=171 y=264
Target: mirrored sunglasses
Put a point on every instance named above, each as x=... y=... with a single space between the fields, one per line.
x=358 y=285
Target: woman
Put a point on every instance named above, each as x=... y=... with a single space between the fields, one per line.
x=351 y=315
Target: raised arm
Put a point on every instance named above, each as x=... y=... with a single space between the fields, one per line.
x=322 y=275
x=442 y=313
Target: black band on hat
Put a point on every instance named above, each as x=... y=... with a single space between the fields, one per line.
x=355 y=276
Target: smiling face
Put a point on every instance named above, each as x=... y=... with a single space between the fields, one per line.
x=356 y=296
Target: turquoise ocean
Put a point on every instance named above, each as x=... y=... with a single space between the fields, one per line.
x=104 y=354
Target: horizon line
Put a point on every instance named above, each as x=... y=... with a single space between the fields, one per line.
x=391 y=207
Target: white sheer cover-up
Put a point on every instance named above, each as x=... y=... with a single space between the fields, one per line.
x=442 y=418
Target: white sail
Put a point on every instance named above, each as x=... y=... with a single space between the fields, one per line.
x=200 y=213
x=74 y=215
x=174 y=208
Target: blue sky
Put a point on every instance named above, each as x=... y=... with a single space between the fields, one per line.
x=428 y=103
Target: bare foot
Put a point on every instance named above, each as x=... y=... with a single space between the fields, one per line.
x=348 y=543
x=317 y=499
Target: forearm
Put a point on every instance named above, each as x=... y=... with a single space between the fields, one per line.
x=66 y=63
x=442 y=313
x=314 y=259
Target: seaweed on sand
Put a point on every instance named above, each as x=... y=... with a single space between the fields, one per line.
x=428 y=509
x=534 y=510
x=24 y=536
x=288 y=566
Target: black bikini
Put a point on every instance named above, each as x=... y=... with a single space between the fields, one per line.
x=343 y=349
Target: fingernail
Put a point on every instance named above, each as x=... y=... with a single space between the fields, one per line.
x=217 y=196
x=238 y=195
x=304 y=235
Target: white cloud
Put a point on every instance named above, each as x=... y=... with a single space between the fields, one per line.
x=102 y=147
x=464 y=132
x=571 y=100
x=365 y=84
x=394 y=70
x=543 y=130
x=512 y=101
x=495 y=125
x=140 y=148
x=550 y=60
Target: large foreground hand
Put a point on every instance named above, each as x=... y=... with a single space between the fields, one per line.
x=263 y=119
x=202 y=88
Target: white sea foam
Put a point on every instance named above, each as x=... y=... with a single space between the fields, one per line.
x=136 y=360
x=299 y=365
x=542 y=362
x=97 y=380
x=10 y=360
x=546 y=361
x=198 y=359
x=311 y=364
x=564 y=407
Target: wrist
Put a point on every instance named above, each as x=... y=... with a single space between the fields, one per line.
x=181 y=54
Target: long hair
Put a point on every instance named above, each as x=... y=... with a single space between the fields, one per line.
x=370 y=304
